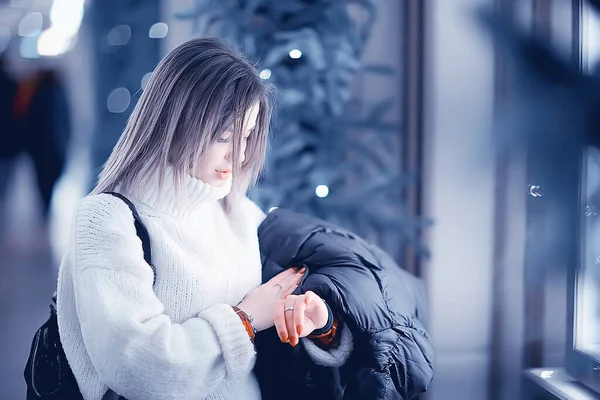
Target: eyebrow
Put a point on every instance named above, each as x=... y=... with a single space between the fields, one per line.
x=248 y=132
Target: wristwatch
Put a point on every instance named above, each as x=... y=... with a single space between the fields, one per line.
x=251 y=320
x=248 y=321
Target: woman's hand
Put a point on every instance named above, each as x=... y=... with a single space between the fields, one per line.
x=260 y=303
x=298 y=316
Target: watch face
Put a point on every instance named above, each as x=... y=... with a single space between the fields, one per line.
x=251 y=319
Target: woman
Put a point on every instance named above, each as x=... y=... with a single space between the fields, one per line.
x=194 y=143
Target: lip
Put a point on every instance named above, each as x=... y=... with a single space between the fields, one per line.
x=223 y=174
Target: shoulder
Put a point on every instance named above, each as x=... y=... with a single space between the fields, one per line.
x=104 y=236
x=100 y=211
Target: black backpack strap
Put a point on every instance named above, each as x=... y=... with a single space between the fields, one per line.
x=140 y=230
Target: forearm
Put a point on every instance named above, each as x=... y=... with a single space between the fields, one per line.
x=140 y=353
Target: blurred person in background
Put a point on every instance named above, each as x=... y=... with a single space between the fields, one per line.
x=41 y=116
x=8 y=134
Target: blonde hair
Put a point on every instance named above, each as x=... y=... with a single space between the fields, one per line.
x=198 y=91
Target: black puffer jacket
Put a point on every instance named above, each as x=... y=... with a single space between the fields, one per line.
x=383 y=306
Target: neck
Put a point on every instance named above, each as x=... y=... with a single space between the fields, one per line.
x=185 y=199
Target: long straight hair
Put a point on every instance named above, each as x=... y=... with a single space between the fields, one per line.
x=198 y=91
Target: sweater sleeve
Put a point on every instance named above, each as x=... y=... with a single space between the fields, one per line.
x=134 y=346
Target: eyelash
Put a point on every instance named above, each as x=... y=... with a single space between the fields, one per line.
x=221 y=140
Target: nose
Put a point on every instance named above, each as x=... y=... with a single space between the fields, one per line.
x=229 y=156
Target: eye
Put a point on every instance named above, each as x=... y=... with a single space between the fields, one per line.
x=249 y=137
x=225 y=137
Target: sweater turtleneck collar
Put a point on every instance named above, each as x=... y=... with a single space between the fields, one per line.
x=192 y=201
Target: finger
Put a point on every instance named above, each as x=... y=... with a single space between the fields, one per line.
x=290 y=285
x=292 y=280
x=279 y=321
x=288 y=290
x=311 y=296
x=282 y=276
x=291 y=301
x=299 y=310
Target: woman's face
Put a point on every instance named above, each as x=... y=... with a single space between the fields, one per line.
x=216 y=164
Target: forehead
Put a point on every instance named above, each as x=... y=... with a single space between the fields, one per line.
x=251 y=116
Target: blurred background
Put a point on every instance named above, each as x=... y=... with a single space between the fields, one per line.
x=384 y=125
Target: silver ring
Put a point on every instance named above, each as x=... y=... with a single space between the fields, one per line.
x=280 y=287
x=288 y=309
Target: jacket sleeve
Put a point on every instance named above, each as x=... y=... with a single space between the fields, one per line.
x=133 y=345
x=333 y=356
x=412 y=361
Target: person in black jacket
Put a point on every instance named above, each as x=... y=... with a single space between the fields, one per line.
x=40 y=128
x=8 y=134
x=381 y=307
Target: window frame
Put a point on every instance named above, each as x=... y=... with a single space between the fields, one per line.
x=580 y=365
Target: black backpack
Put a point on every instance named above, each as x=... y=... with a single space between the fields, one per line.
x=47 y=373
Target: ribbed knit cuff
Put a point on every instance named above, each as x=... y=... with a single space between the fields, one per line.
x=238 y=350
x=332 y=356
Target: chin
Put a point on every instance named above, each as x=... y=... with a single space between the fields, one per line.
x=217 y=183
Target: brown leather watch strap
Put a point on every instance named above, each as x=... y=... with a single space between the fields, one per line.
x=246 y=321
x=327 y=337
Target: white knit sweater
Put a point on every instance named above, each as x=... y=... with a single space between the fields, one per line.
x=179 y=339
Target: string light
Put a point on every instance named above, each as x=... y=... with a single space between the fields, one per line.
x=145 y=80
x=265 y=74
x=322 y=191
x=52 y=43
x=295 y=54
x=119 y=35
x=159 y=30
x=118 y=100
x=31 y=25
x=65 y=21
